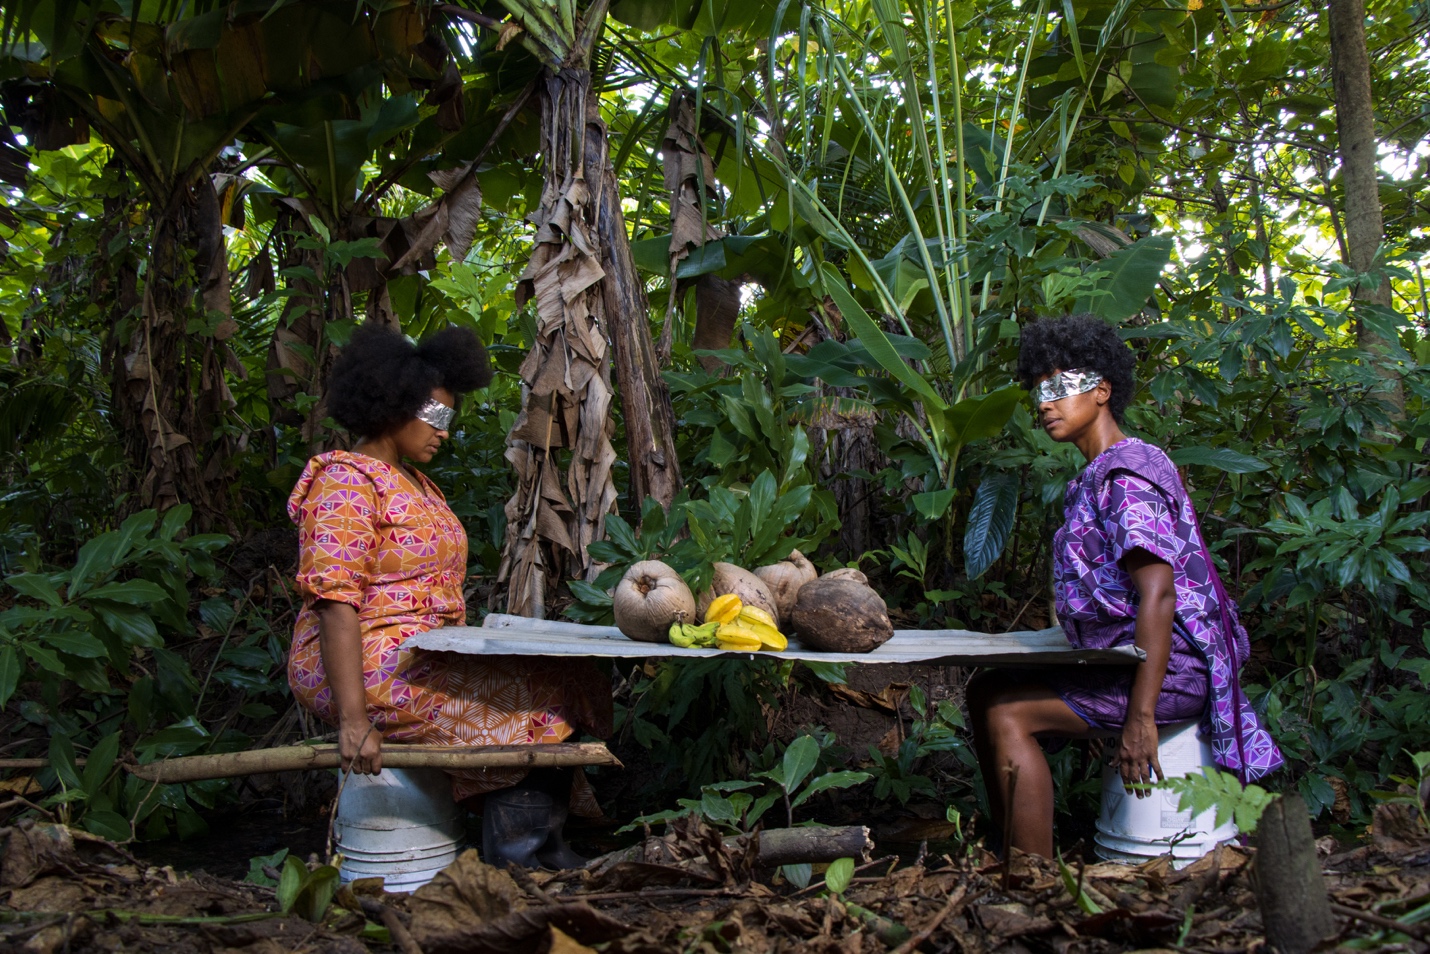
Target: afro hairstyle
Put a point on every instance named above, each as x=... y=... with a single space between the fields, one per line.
x=1082 y=342
x=381 y=379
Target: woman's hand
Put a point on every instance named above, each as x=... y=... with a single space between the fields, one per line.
x=1137 y=756
x=360 y=746
x=1156 y=609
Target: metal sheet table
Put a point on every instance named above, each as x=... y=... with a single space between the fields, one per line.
x=501 y=634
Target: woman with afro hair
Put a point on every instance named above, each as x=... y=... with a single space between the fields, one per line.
x=1130 y=567
x=382 y=558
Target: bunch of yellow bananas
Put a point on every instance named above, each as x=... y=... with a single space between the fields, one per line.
x=743 y=628
x=690 y=636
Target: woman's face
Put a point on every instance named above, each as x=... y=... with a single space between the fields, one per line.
x=1066 y=418
x=417 y=440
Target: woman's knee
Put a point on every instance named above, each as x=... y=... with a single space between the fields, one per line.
x=984 y=690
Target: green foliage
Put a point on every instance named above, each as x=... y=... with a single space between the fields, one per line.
x=1214 y=789
x=257 y=863
x=838 y=875
x=306 y=892
x=737 y=806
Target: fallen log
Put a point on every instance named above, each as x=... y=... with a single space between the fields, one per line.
x=298 y=758
x=798 y=846
x=774 y=847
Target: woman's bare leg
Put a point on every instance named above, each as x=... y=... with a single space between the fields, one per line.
x=1010 y=713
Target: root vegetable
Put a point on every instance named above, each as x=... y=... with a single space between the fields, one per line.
x=648 y=599
x=730 y=578
x=847 y=573
x=840 y=616
x=784 y=580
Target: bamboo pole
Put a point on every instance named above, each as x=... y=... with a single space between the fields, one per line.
x=298 y=758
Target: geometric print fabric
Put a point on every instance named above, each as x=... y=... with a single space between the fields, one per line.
x=394 y=551
x=1130 y=497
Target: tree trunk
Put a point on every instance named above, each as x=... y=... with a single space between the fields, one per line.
x=1295 y=909
x=645 y=398
x=1360 y=184
x=170 y=391
x=566 y=379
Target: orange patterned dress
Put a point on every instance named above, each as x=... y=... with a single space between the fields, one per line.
x=391 y=548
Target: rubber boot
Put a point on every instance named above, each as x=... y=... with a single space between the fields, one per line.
x=516 y=822
x=555 y=853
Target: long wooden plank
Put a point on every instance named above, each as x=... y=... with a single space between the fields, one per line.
x=502 y=634
x=298 y=758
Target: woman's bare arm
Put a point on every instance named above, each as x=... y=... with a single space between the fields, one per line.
x=340 y=642
x=1157 y=604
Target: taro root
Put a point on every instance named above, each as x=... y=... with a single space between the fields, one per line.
x=840 y=616
x=847 y=573
x=648 y=599
x=730 y=578
x=784 y=580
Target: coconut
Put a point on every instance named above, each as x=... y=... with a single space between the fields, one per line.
x=846 y=573
x=840 y=616
x=730 y=578
x=784 y=580
x=648 y=599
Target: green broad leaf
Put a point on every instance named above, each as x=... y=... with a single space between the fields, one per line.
x=990 y=522
x=130 y=623
x=702 y=260
x=290 y=882
x=830 y=780
x=933 y=504
x=586 y=593
x=832 y=673
x=875 y=340
x=737 y=785
x=838 y=875
x=758 y=809
x=315 y=897
x=622 y=535
x=257 y=863
x=9 y=673
x=47 y=658
x=76 y=644
x=136 y=592
x=799 y=760
x=718 y=809
x=37 y=586
x=62 y=761
x=652 y=254
x=99 y=764
x=1221 y=458
x=977 y=418
x=111 y=825
x=798 y=875
x=99 y=555
x=1127 y=278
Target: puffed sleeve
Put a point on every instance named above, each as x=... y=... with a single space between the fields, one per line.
x=1137 y=517
x=337 y=535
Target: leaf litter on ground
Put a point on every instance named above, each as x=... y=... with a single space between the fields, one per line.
x=693 y=889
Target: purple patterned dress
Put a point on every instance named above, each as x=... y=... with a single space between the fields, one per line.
x=1130 y=497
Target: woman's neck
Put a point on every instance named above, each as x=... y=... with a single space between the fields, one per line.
x=1099 y=436
x=381 y=448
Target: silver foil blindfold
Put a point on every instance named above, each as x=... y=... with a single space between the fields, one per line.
x=437 y=414
x=1067 y=384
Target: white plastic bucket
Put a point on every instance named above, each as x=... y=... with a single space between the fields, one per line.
x=1132 y=830
x=400 y=825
